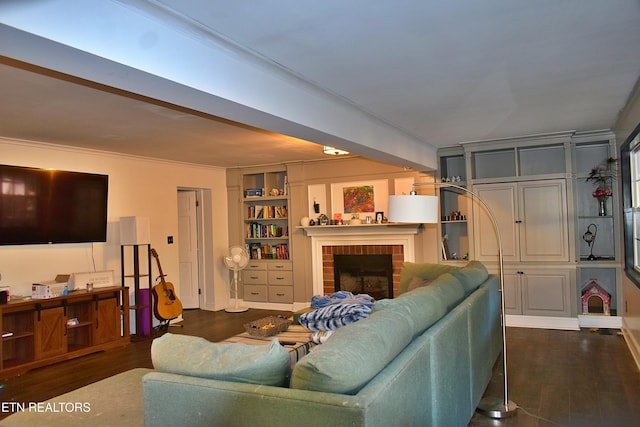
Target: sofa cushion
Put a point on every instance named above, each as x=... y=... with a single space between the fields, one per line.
x=354 y=354
x=412 y=273
x=471 y=276
x=447 y=289
x=197 y=357
x=426 y=305
x=418 y=282
x=421 y=307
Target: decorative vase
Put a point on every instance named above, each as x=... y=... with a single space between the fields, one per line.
x=602 y=206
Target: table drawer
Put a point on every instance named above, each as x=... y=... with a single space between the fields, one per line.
x=255 y=293
x=255 y=277
x=283 y=294
x=280 y=277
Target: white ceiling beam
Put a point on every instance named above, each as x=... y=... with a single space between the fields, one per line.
x=123 y=47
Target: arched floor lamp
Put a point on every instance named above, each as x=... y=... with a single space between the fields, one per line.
x=424 y=209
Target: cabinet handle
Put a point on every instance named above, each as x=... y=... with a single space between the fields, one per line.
x=255 y=293
x=520 y=272
x=253 y=277
x=280 y=295
x=279 y=278
x=518 y=221
x=280 y=266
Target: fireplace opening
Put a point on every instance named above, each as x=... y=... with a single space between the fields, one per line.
x=364 y=274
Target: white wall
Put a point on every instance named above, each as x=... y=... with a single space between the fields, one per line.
x=137 y=186
x=628 y=119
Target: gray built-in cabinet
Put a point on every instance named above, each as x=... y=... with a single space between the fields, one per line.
x=536 y=187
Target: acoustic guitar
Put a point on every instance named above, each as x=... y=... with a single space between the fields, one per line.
x=167 y=306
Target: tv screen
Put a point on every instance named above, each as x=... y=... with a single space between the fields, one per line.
x=51 y=206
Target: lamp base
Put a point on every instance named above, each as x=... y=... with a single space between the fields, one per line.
x=236 y=309
x=493 y=407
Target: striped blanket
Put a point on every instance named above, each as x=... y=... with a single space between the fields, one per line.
x=334 y=316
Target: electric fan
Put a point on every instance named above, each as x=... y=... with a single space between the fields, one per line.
x=236 y=260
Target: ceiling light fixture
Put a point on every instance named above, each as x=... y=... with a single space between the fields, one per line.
x=332 y=151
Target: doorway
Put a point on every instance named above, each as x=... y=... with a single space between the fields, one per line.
x=190 y=247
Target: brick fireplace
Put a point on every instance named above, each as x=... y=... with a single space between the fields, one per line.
x=328 y=258
x=328 y=240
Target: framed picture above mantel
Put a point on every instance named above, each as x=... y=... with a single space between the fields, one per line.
x=359 y=199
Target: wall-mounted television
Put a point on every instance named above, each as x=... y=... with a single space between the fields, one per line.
x=39 y=206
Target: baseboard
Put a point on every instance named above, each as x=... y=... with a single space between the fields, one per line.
x=632 y=344
x=611 y=322
x=267 y=305
x=542 y=322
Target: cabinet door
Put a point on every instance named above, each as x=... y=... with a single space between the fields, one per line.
x=512 y=293
x=50 y=332
x=107 y=326
x=543 y=216
x=532 y=218
x=501 y=198
x=546 y=293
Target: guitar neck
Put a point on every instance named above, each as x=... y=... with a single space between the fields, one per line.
x=155 y=255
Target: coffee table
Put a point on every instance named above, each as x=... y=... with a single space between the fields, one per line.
x=296 y=339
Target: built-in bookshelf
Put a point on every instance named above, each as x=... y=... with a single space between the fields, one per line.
x=266 y=215
x=265 y=203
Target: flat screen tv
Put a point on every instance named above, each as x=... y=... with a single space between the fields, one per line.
x=39 y=206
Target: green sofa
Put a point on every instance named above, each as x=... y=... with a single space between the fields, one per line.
x=421 y=359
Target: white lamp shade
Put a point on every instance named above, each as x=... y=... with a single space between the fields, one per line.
x=413 y=208
x=135 y=230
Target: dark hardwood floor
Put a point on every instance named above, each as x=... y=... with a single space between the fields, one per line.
x=557 y=378
x=567 y=378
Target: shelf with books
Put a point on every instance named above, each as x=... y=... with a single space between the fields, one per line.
x=264 y=211
x=270 y=250
x=257 y=211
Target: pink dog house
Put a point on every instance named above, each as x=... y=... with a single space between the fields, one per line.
x=595 y=300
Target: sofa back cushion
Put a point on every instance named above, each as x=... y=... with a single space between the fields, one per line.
x=414 y=275
x=354 y=354
x=471 y=275
x=197 y=357
x=426 y=305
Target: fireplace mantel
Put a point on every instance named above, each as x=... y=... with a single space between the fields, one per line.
x=349 y=235
x=360 y=229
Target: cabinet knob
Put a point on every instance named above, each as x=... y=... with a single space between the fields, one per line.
x=518 y=221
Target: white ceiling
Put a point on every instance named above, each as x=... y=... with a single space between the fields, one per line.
x=442 y=72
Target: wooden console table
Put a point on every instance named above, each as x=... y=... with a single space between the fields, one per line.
x=39 y=332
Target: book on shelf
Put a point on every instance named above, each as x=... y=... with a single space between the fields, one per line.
x=265 y=251
x=267 y=212
x=255 y=230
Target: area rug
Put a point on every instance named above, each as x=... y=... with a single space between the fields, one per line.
x=115 y=401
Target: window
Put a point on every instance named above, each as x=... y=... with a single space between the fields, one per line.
x=630 y=164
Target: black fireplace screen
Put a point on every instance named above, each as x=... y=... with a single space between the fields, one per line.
x=364 y=274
